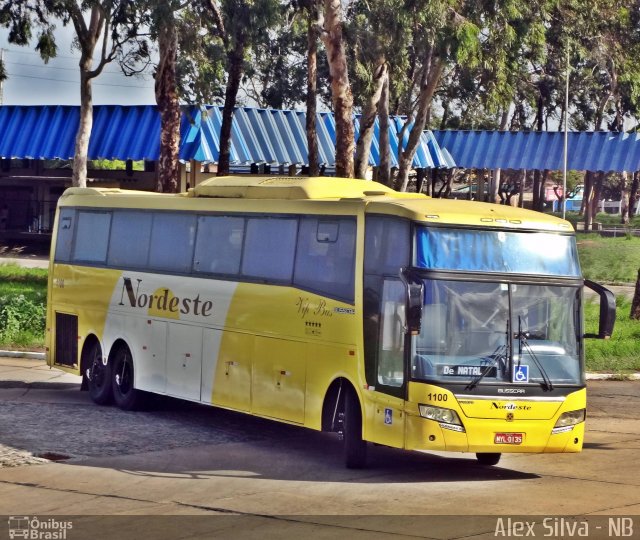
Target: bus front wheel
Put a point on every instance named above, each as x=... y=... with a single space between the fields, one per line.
x=98 y=375
x=355 y=449
x=488 y=458
x=124 y=393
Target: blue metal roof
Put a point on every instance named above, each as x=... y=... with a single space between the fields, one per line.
x=48 y=132
x=279 y=136
x=133 y=132
x=531 y=150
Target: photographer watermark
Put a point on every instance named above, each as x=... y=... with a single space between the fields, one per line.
x=35 y=528
x=565 y=527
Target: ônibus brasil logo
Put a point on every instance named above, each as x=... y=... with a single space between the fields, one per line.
x=38 y=529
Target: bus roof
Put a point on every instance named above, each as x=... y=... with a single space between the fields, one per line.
x=296 y=188
x=377 y=198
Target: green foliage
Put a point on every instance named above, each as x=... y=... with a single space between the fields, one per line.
x=114 y=165
x=622 y=351
x=23 y=293
x=609 y=260
x=20 y=317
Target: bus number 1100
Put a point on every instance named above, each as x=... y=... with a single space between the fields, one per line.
x=437 y=397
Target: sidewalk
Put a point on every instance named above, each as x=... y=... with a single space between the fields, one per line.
x=30 y=261
x=29 y=371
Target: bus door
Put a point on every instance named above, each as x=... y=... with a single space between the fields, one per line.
x=279 y=378
x=184 y=361
x=385 y=413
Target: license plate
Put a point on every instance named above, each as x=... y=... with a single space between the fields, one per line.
x=508 y=438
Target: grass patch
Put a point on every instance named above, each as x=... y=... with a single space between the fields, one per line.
x=609 y=260
x=23 y=298
x=607 y=220
x=622 y=351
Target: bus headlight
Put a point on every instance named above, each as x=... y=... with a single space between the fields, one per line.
x=571 y=418
x=445 y=416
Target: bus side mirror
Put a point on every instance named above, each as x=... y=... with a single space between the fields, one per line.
x=415 y=300
x=607 y=310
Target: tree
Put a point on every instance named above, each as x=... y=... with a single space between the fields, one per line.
x=111 y=25
x=239 y=24
x=376 y=35
x=164 y=25
x=342 y=98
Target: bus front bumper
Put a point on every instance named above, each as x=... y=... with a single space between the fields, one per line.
x=492 y=435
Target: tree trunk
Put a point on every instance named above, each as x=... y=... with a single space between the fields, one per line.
x=504 y=119
x=523 y=185
x=87 y=38
x=341 y=95
x=169 y=107
x=635 y=303
x=79 y=175
x=385 y=148
x=367 y=121
x=431 y=77
x=633 y=192
x=236 y=68
x=312 y=91
x=624 y=200
x=597 y=193
x=537 y=178
x=587 y=197
x=494 y=186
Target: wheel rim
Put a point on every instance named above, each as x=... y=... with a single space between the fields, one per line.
x=96 y=374
x=124 y=374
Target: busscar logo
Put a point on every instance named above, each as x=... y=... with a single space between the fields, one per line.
x=163 y=300
x=511 y=391
x=38 y=529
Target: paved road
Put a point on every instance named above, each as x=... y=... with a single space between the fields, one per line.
x=183 y=459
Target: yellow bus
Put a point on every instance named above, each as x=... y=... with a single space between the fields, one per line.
x=334 y=304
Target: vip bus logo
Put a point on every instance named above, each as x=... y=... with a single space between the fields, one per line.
x=162 y=302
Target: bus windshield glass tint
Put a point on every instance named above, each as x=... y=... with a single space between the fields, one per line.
x=537 y=253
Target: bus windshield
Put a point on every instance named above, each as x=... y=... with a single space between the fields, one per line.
x=498 y=333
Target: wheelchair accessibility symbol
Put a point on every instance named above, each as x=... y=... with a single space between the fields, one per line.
x=521 y=374
x=388 y=416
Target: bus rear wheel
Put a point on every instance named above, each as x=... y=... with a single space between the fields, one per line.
x=98 y=375
x=124 y=393
x=488 y=458
x=355 y=449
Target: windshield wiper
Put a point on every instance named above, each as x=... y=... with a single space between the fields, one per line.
x=522 y=338
x=495 y=356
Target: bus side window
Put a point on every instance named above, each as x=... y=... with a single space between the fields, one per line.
x=219 y=245
x=172 y=240
x=92 y=237
x=130 y=234
x=269 y=248
x=392 y=333
x=325 y=256
x=65 y=234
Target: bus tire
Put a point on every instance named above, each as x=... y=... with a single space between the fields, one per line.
x=125 y=395
x=355 y=449
x=488 y=458
x=98 y=376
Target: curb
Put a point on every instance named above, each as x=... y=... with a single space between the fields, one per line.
x=23 y=354
x=613 y=376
